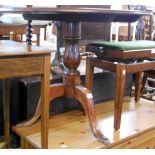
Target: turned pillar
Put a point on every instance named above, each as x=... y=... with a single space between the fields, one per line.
x=71 y=57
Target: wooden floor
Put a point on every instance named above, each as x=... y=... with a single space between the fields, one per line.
x=71 y=129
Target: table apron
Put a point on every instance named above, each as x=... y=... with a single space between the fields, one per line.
x=130 y=68
x=17 y=67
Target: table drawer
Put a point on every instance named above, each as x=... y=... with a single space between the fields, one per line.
x=25 y=66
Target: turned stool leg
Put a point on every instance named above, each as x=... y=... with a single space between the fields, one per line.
x=120 y=83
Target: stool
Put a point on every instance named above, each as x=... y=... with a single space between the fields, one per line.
x=122 y=58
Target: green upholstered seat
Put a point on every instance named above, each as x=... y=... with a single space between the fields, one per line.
x=125 y=45
x=122 y=49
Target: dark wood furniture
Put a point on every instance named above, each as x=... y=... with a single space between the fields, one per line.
x=121 y=62
x=71 y=79
x=18 y=60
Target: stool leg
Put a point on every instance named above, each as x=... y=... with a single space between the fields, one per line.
x=89 y=74
x=120 y=83
x=138 y=83
x=144 y=79
x=6 y=106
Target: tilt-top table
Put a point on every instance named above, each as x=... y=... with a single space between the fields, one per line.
x=71 y=78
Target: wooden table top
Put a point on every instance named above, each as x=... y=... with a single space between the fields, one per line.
x=76 y=14
x=12 y=48
x=19 y=25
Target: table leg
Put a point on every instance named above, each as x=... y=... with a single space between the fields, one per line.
x=56 y=90
x=84 y=96
x=71 y=84
x=6 y=106
x=45 y=96
x=120 y=83
x=71 y=77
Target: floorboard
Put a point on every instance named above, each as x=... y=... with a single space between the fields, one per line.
x=71 y=129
